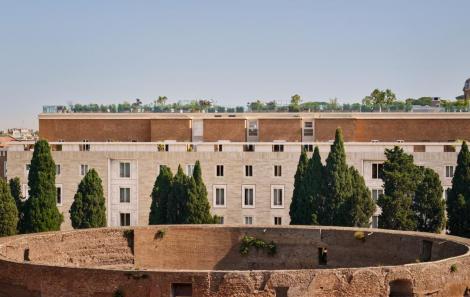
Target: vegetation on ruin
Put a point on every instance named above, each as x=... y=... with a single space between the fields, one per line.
x=248 y=241
x=458 y=198
x=453 y=268
x=412 y=198
x=15 y=189
x=88 y=209
x=40 y=210
x=160 y=233
x=360 y=235
x=180 y=199
x=8 y=211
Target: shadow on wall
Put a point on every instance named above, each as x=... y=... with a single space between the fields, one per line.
x=9 y=290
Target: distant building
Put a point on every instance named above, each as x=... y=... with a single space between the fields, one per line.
x=466 y=89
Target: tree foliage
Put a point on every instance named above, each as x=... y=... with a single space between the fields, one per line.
x=198 y=205
x=299 y=214
x=40 y=210
x=88 y=209
x=8 y=211
x=458 y=198
x=15 y=189
x=160 y=196
x=380 y=98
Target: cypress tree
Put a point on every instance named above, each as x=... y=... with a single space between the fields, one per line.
x=359 y=207
x=177 y=205
x=88 y=209
x=40 y=210
x=299 y=214
x=8 y=211
x=458 y=198
x=428 y=206
x=337 y=183
x=15 y=189
x=198 y=205
x=401 y=178
x=160 y=196
x=313 y=183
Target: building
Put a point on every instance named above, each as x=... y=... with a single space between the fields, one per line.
x=466 y=89
x=248 y=160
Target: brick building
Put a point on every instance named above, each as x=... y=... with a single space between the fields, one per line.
x=248 y=159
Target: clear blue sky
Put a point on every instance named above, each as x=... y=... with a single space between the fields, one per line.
x=57 y=52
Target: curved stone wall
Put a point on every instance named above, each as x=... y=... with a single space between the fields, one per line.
x=206 y=260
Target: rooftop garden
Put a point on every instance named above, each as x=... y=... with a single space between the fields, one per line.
x=377 y=101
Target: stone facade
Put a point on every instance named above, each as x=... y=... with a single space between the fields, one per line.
x=204 y=261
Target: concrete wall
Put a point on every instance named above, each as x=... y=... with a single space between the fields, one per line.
x=78 y=276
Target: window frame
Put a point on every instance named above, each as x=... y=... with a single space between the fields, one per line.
x=252 y=219
x=81 y=167
x=245 y=167
x=449 y=176
x=275 y=171
x=126 y=189
x=125 y=217
x=248 y=187
x=59 y=186
x=275 y=221
x=214 y=196
x=377 y=190
x=120 y=170
x=217 y=170
x=377 y=172
x=283 y=196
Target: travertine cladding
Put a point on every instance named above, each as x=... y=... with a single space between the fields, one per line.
x=224 y=129
x=207 y=257
x=95 y=129
x=280 y=129
x=174 y=129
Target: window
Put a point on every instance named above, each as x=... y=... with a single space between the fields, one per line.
x=277 y=170
x=83 y=169
x=308 y=128
x=125 y=219
x=163 y=147
x=248 y=170
x=377 y=170
x=58 y=191
x=248 y=220
x=375 y=222
x=220 y=170
x=248 y=196
x=220 y=220
x=57 y=169
x=124 y=195
x=25 y=190
x=218 y=148
x=125 y=170
x=84 y=147
x=278 y=148
x=219 y=195
x=376 y=193
x=308 y=148
x=189 y=170
x=277 y=220
x=449 y=171
x=277 y=196
x=248 y=148
x=253 y=128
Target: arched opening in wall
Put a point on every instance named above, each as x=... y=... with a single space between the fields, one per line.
x=26 y=255
x=281 y=291
x=401 y=288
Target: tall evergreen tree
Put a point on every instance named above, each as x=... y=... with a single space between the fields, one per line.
x=198 y=205
x=88 y=209
x=177 y=205
x=313 y=183
x=40 y=210
x=359 y=207
x=15 y=189
x=8 y=211
x=428 y=206
x=160 y=196
x=401 y=178
x=299 y=210
x=337 y=183
x=458 y=198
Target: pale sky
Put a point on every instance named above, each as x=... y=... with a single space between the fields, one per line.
x=108 y=51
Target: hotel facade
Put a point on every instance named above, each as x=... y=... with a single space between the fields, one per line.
x=248 y=160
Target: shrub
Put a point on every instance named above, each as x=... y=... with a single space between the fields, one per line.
x=359 y=235
x=453 y=268
x=249 y=241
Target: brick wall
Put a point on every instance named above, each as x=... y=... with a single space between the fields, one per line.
x=280 y=129
x=171 y=129
x=224 y=129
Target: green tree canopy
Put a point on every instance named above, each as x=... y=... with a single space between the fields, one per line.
x=428 y=206
x=15 y=189
x=8 y=211
x=177 y=205
x=313 y=183
x=380 y=98
x=88 y=209
x=198 y=205
x=40 y=210
x=299 y=210
x=160 y=196
x=458 y=198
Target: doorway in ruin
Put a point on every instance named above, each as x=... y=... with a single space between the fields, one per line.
x=401 y=288
x=181 y=290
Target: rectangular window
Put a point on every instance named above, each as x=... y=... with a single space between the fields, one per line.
x=124 y=195
x=308 y=148
x=308 y=129
x=161 y=147
x=377 y=170
x=449 y=171
x=218 y=148
x=248 y=196
x=125 y=170
x=83 y=169
x=248 y=148
x=253 y=128
x=220 y=170
x=57 y=169
x=277 y=220
x=85 y=147
x=278 y=148
x=58 y=191
x=375 y=221
x=277 y=196
x=248 y=170
x=220 y=220
x=125 y=219
x=219 y=198
x=376 y=193
x=248 y=220
x=277 y=170
x=189 y=170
